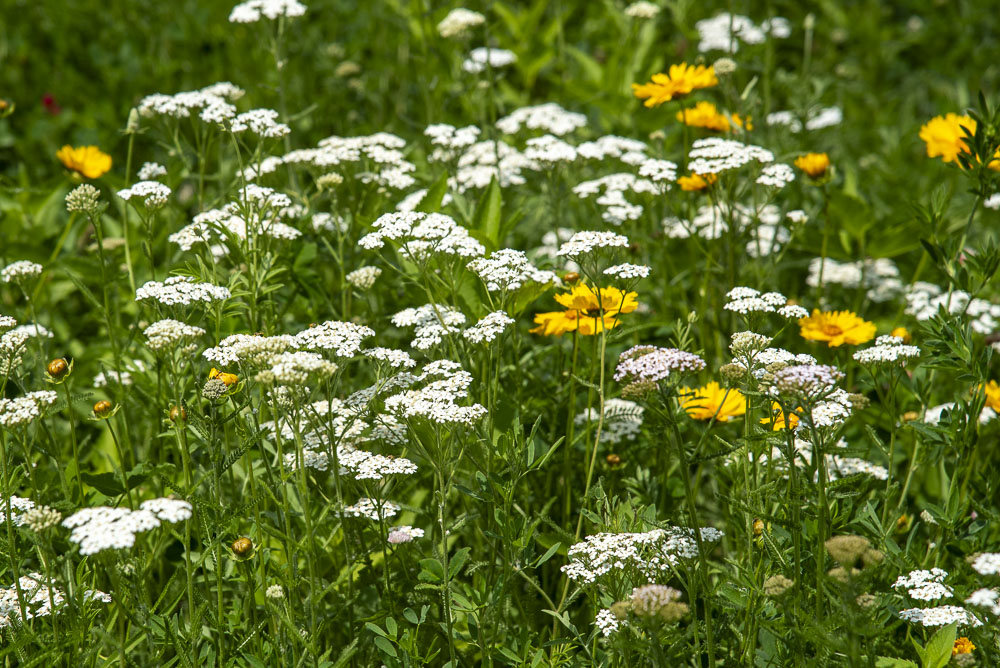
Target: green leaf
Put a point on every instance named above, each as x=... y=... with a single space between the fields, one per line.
x=548 y=555
x=107 y=484
x=938 y=651
x=432 y=571
x=431 y=202
x=887 y=662
x=487 y=217
x=385 y=646
x=456 y=562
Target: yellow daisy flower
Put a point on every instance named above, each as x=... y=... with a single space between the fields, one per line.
x=706 y=115
x=813 y=164
x=992 y=391
x=962 y=646
x=777 y=419
x=680 y=80
x=88 y=161
x=902 y=333
x=712 y=401
x=944 y=136
x=836 y=328
x=696 y=182
x=584 y=313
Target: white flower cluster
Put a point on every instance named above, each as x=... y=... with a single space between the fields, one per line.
x=725 y=31
x=124 y=378
x=507 y=270
x=642 y=10
x=403 y=534
x=249 y=349
x=449 y=141
x=817 y=118
x=39 y=601
x=397 y=359
x=617 y=209
x=479 y=58
x=629 y=151
x=446 y=383
x=661 y=172
x=987 y=563
x=649 y=364
x=20 y=411
x=151 y=170
x=343 y=339
x=488 y=160
x=422 y=235
x=924 y=585
x=379 y=154
x=105 y=528
x=992 y=202
x=363 y=278
x=622 y=420
x=649 y=599
x=372 y=509
x=6 y=322
x=255 y=10
x=651 y=553
x=924 y=299
x=294 y=369
x=221 y=225
x=879 y=277
x=712 y=221
x=587 y=241
x=432 y=321
x=713 y=155
x=489 y=327
x=364 y=465
x=262 y=122
x=940 y=616
x=20 y=271
x=181 y=105
x=985 y=598
x=458 y=22
x=776 y=175
x=11 y=346
x=606 y=622
x=887 y=350
x=745 y=301
x=933 y=415
x=167 y=333
x=806 y=380
x=546 y=151
x=183 y=290
x=627 y=272
x=18 y=506
x=548 y=117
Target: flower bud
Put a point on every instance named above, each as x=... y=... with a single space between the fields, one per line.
x=177 y=413
x=613 y=460
x=758 y=527
x=571 y=277
x=103 y=409
x=58 y=369
x=133 y=122
x=243 y=548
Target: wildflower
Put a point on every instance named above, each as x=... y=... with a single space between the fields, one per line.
x=21 y=411
x=20 y=272
x=836 y=328
x=40 y=518
x=901 y=333
x=87 y=161
x=679 y=81
x=275 y=592
x=607 y=622
x=725 y=31
x=724 y=66
x=167 y=333
x=642 y=10
x=813 y=164
x=847 y=550
x=940 y=616
x=777 y=585
x=962 y=646
x=508 y=269
x=706 y=115
x=549 y=117
x=84 y=199
x=887 y=350
x=293 y=369
x=713 y=155
x=229 y=379
x=712 y=402
x=458 y=22
x=152 y=193
x=696 y=182
x=585 y=312
x=104 y=528
x=372 y=509
x=627 y=271
x=181 y=290
x=261 y=122
x=403 y=534
x=778 y=421
x=945 y=136
x=478 y=58
x=655 y=600
x=649 y=364
x=488 y=328
x=150 y=171
x=19 y=509
x=777 y=175
x=254 y=10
